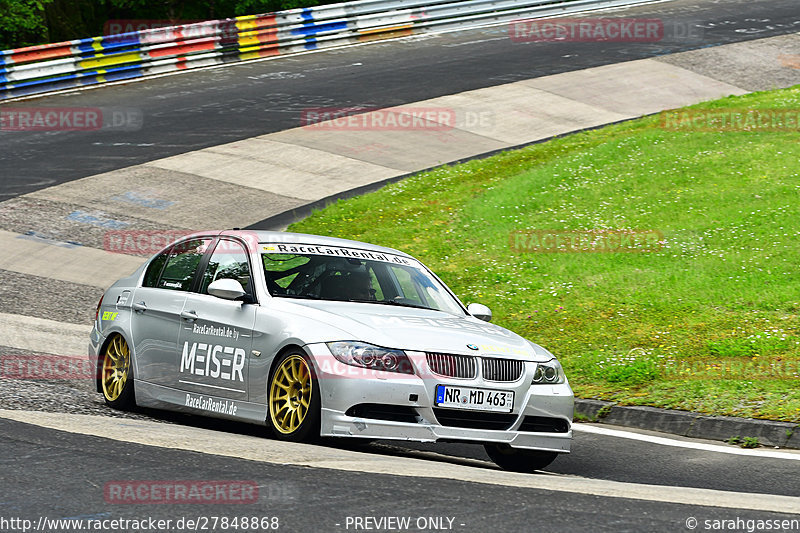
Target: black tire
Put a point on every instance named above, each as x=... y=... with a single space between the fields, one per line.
x=116 y=374
x=293 y=399
x=519 y=460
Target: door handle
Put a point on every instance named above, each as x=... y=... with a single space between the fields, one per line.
x=139 y=307
x=191 y=316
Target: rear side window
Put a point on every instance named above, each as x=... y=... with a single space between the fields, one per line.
x=182 y=264
x=154 y=270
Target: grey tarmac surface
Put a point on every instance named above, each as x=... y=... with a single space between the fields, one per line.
x=41 y=297
x=303 y=499
x=594 y=456
x=206 y=108
x=64 y=473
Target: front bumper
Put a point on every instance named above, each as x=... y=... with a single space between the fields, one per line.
x=337 y=424
x=345 y=388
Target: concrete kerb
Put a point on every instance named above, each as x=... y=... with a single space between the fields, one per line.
x=794 y=439
x=282 y=220
x=690 y=424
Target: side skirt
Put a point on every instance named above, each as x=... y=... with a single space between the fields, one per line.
x=169 y=399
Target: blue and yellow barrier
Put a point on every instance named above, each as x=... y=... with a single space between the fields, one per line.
x=41 y=69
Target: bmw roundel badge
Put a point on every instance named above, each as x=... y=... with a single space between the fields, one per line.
x=472 y=346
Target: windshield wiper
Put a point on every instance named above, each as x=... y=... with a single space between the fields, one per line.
x=357 y=300
x=301 y=296
x=394 y=302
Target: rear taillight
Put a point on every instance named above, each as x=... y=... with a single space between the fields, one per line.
x=97 y=311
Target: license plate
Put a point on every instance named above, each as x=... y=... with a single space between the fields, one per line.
x=476 y=399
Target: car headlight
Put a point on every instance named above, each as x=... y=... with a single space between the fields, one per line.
x=549 y=373
x=370 y=356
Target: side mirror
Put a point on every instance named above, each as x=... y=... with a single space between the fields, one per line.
x=480 y=311
x=227 y=289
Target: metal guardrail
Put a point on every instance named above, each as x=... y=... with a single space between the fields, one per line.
x=82 y=62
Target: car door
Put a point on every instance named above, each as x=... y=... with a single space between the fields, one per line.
x=216 y=335
x=157 y=306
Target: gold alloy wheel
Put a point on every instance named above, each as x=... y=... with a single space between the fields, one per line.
x=290 y=394
x=116 y=362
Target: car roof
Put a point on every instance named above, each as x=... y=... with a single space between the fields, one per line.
x=280 y=237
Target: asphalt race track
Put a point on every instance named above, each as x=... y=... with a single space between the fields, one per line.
x=57 y=462
x=313 y=500
x=322 y=499
x=199 y=109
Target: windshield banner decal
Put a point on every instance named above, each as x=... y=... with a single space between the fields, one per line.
x=336 y=251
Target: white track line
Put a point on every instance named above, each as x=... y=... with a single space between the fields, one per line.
x=665 y=441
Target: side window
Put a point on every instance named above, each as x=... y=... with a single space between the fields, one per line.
x=182 y=264
x=229 y=261
x=154 y=270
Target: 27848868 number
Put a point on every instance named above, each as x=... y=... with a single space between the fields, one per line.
x=237 y=523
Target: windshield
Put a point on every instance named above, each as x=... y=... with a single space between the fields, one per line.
x=351 y=275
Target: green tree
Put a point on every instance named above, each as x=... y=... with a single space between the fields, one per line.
x=22 y=23
x=28 y=22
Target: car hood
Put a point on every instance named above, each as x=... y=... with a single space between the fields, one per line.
x=414 y=329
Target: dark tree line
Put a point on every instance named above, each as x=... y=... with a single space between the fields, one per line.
x=29 y=22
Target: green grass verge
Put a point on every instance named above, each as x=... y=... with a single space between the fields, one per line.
x=708 y=323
